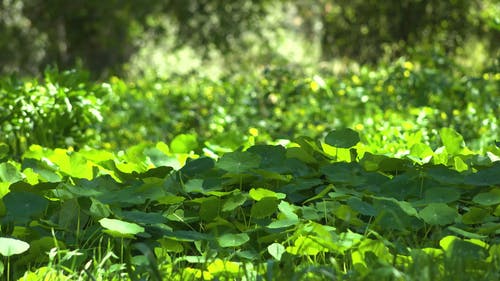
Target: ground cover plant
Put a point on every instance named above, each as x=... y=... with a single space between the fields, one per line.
x=313 y=209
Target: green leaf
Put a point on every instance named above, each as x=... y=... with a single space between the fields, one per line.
x=452 y=140
x=438 y=214
x=441 y=195
x=264 y=208
x=4 y=151
x=276 y=250
x=488 y=198
x=283 y=223
x=259 y=193
x=475 y=215
x=234 y=201
x=143 y=217
x=22 y=206
x=184 y=143
x=361 y=207
x=288 y=210
x=485 y=177
x=187 y=236
x=466 y=234
x=343 y=138
x=232 y=240
x=11 y=246
x=119 y=228
x=197 y=167
x=9 y=173
x=271 y=156
x=209 y=208
x=238 y=162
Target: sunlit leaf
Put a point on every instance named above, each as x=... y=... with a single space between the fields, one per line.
x=11 y=246
x=120 y=228
x=232 y=240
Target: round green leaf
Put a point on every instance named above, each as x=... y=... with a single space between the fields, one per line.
x=232 y=240
x=22 y=206
x=441 y=195
x=488 y=198
x=120 y=228
x=264 y=208
x=11 y=246
x=184 y=143
x=438 y=214
x=343 y=138
x=238 y=162
x=9 y=173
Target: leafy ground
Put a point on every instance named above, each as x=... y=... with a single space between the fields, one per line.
x=303 y=210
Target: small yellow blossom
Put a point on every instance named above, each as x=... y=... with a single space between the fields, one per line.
x=314 y=86
x=456 y=112
x=486 y=76
x=341 y=92
x=359 y=127
x=320 y=128
x=408 y=65
x=406 y=73
x=497 y=76
x=253 y=131
x=444 y=116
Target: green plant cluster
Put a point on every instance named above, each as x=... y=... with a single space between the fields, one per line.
x=311 y=210
x=403 y=100
x=61 y=111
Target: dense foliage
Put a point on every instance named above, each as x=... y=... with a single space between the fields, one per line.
x=308 y=211
x=401 y=99
x=61 y=111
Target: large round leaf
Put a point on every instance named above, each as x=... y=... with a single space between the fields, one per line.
x=343 y=138
x=11 y=246
x=239 y=162
x=22 y=206
x=438 y=214
x=232 y=240
x=488 y=198
x=118 y=228
x=184 y=143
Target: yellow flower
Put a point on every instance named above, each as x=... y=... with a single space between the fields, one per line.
x=486 y=76
x=406 y=73
x=456 y=112
x=341 y=92
x=253 y=131
x=359 y=127
x=314 y=86
x=408 y=65
x=444 y=116
x=497 y=76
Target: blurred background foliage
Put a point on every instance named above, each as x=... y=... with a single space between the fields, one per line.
x=230 y=71
x=161 y=37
